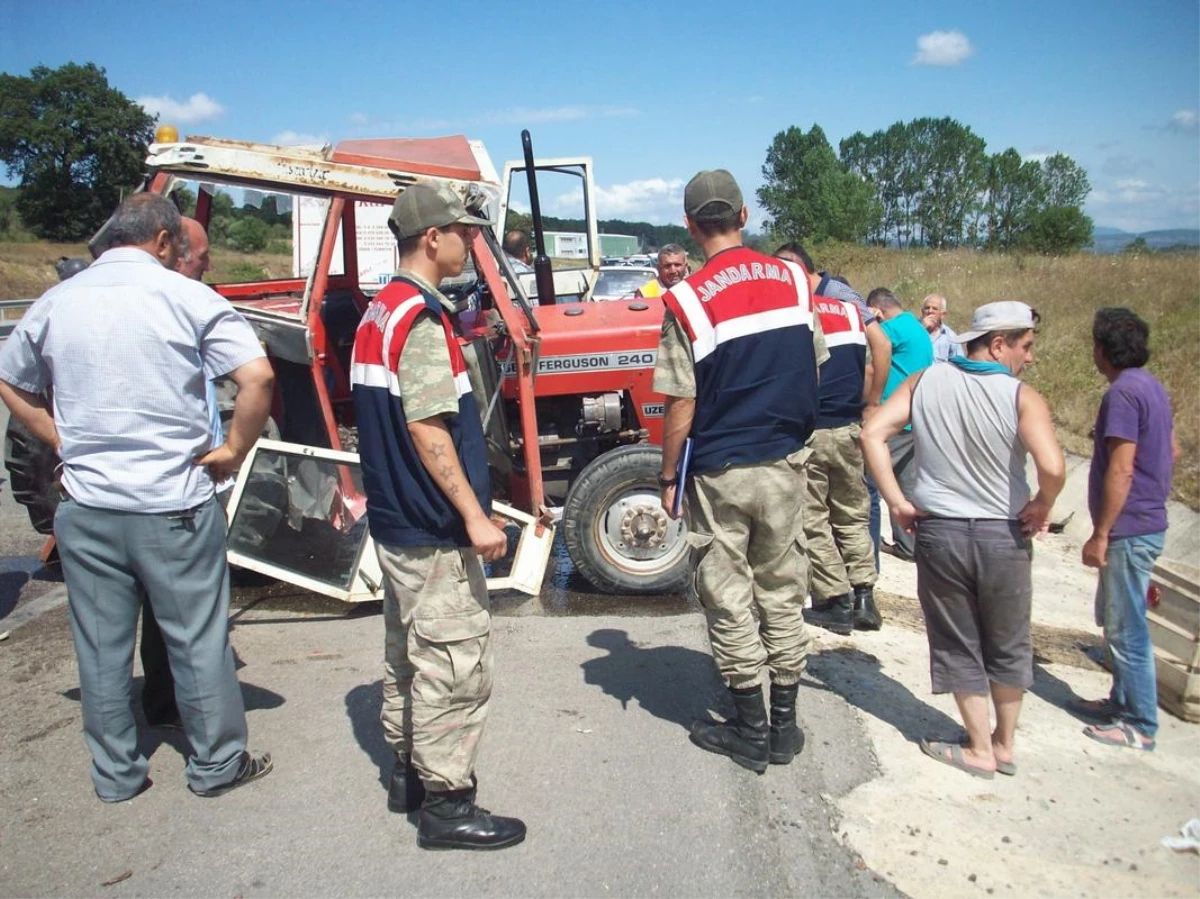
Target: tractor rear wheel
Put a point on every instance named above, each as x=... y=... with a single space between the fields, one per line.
x=31 y=465
x=615 y=529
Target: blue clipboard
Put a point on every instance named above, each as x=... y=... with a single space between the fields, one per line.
x=681 y=473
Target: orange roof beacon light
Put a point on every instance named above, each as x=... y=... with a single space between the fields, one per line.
x=166 y=134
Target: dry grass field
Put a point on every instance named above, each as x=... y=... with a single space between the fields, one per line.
x=1163 y=289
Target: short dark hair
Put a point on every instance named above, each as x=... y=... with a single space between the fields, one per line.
x=1122 y=336
x=408 y=245
x=796 y=249
x=140 y=219
x=723 y=225
x=516 y=243
x=1010 y=337
x=882 y=298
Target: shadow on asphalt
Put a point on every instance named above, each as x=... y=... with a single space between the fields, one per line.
x=666 y=681
x=254 y=697
x=15 y=573
x=1055 y=691
x=363 y=704
x=858 y=678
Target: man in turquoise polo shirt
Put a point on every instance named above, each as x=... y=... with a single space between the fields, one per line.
x=912 y=351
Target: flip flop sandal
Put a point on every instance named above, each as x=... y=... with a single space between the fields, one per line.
x=1008 y=769
x=936 y=749
x=1128 y=738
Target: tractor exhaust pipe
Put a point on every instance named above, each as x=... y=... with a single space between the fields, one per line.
x=542 y=271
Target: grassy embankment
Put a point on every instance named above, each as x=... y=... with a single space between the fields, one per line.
x=1163 y=289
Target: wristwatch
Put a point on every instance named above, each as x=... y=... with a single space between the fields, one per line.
x=666 y=482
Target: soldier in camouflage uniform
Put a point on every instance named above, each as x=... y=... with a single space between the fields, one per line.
x=737 y=361
x=428 y=502
x=837 y=511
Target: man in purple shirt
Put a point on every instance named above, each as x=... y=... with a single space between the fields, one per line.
x=1128 y=486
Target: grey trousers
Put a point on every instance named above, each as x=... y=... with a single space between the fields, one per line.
x=181 y=564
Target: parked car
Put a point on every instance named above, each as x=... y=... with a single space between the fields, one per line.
x=619 y=282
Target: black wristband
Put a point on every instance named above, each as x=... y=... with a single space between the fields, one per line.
x=666 y=482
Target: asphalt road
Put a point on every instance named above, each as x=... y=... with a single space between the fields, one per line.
x=587 y=742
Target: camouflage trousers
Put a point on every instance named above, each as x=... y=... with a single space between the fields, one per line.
x=837 y=514
x=744 y=525
x=437 y=668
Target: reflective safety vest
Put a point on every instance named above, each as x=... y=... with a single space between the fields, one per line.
x=841 y=393
x=652 y=288
x=405 y=507
x=749 y=318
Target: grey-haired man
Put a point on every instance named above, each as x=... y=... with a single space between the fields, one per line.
x=138 y=474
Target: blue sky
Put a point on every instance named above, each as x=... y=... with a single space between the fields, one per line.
x=654 y=92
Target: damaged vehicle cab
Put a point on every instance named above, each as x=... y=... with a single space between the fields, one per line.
x=564 y=388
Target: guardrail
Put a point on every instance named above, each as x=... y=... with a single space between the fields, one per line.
x=10 y=313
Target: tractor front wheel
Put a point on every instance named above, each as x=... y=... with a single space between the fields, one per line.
x=615 y=529
x=32 y=465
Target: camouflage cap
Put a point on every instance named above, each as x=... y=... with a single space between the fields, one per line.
x=425 y=206
x=712 y=195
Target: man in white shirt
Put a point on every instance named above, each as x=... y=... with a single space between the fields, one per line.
x=127 y=347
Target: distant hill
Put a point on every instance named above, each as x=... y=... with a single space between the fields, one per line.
x=1113 y=240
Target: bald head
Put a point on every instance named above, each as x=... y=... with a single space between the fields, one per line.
x=193 y=259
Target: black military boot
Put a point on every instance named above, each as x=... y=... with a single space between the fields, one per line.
x=866 y=614
x=787 y=739
x=743 y=738
x=450 y=819
x=836 y=615
x=405 y=792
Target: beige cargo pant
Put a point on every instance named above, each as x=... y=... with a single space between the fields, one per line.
x=837 y=513
x=744 y=525
x=437 y=667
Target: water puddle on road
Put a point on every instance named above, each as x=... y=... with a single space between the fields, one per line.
x=564 y=592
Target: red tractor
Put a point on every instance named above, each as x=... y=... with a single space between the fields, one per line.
x=572 y=423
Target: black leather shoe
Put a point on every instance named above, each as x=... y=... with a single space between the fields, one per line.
x=835 y=615
x=744 y=739
x=405 y=792
x=450 y=819
x=787 y=739
x=866 y=614
x=251 y=768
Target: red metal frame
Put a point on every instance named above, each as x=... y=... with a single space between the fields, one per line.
x=524 y=348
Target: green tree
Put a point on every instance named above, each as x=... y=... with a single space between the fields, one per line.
x=810 y=195
x=880 y=160
x=1015 y=192
x=249 y=234
x=1058 y=230
x=951 y=160
x=1066 y=183
x=75 y=143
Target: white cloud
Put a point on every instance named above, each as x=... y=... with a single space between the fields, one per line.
x=299 y=139
x=197 y=108
x=1036 y=157
x=1134 y=205
x=942 y=48
x=655 y=200
x=1185 y=120
x=357 y=118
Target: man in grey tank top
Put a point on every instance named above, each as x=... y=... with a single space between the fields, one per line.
x=973 y=423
